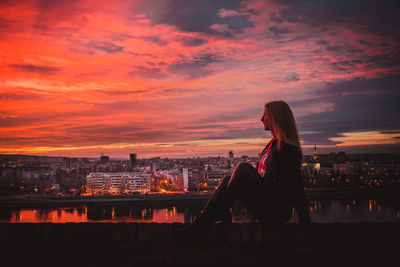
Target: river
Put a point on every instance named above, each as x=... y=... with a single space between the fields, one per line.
x=327 y=211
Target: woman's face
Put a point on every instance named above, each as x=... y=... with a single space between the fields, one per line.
x=264 y=120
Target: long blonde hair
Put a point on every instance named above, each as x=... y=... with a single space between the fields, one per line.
x=282 y=123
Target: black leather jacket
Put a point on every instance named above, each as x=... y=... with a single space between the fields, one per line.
x=283 y=177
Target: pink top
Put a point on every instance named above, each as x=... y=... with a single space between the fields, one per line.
x=263 y=161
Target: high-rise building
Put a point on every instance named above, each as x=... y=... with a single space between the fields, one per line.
x=132 y=160
x=154 y=165
x=230 y=154
x=315 y=152
x=185 y=179
x=67 y=162
x=104 y=159
x=179 y=182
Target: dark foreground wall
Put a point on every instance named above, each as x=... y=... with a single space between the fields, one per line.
x=234 y=233
x=153 y=244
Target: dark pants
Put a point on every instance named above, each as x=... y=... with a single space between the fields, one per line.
x=245 y=185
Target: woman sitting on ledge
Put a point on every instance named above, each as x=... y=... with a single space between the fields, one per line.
x=273 y=188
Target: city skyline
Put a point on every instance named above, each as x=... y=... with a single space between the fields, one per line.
x=190 y=78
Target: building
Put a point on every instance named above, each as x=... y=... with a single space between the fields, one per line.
x=349 y=167
x=230 y=155
x=185 y=179
x=315 y=157
x=67 y=162
x=36 y=173
x=132 y=161
x=154 y=165
x=179 y=182
x=104 y=159
x=214 y=177
x=118 y=183
x=310 y=168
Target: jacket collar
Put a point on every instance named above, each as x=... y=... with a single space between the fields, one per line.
x=273 y=140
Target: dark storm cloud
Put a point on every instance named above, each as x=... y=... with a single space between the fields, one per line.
x=358 y=105
x=190 y=41
x=107 y=47
x=119 y=92
x=194 y=16
x=153 y=39
x=335 y=48
x=147 y=72
x=387 y=59
x=296 y=38
x=123 y=36
x=364 y=42
x=178 y=91
x=204 y=126
x=36 y=68
x=194 y=67
x=292 y=78
x=392 y=132
x=273 y=17
x=338 y=66
x=354 y=51
x=370 y=16
x=248 y=132
x=321 y=42
x=278 y=31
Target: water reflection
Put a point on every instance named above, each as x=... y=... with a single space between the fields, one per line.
x=343 y=211
x=352 y=211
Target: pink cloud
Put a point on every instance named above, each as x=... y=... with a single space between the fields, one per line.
x=95 y=73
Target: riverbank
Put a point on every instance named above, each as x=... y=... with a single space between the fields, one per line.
x=191 y=198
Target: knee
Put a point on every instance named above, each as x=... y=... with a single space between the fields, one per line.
x=225 y=180
x=243 y=167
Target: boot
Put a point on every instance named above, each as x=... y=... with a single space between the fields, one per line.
x=222 y=214
x=195 y=231
x=218 y=206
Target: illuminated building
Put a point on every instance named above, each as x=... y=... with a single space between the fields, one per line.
x=214 y=177
x=117 y=183
x=349 y=167
x=315 y=152
x=179 y=182
x=310 y=168
x=230 y=154
x=313 y=166
x=185 y=178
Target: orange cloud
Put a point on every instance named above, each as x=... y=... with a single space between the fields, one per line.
x=83 y=76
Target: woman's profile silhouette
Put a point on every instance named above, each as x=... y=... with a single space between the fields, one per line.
x=272 y=189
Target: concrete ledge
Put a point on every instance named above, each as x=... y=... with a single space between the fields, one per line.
x=151 y=244
x=234 y=233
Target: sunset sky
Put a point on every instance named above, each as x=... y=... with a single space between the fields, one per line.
x=186 y=78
